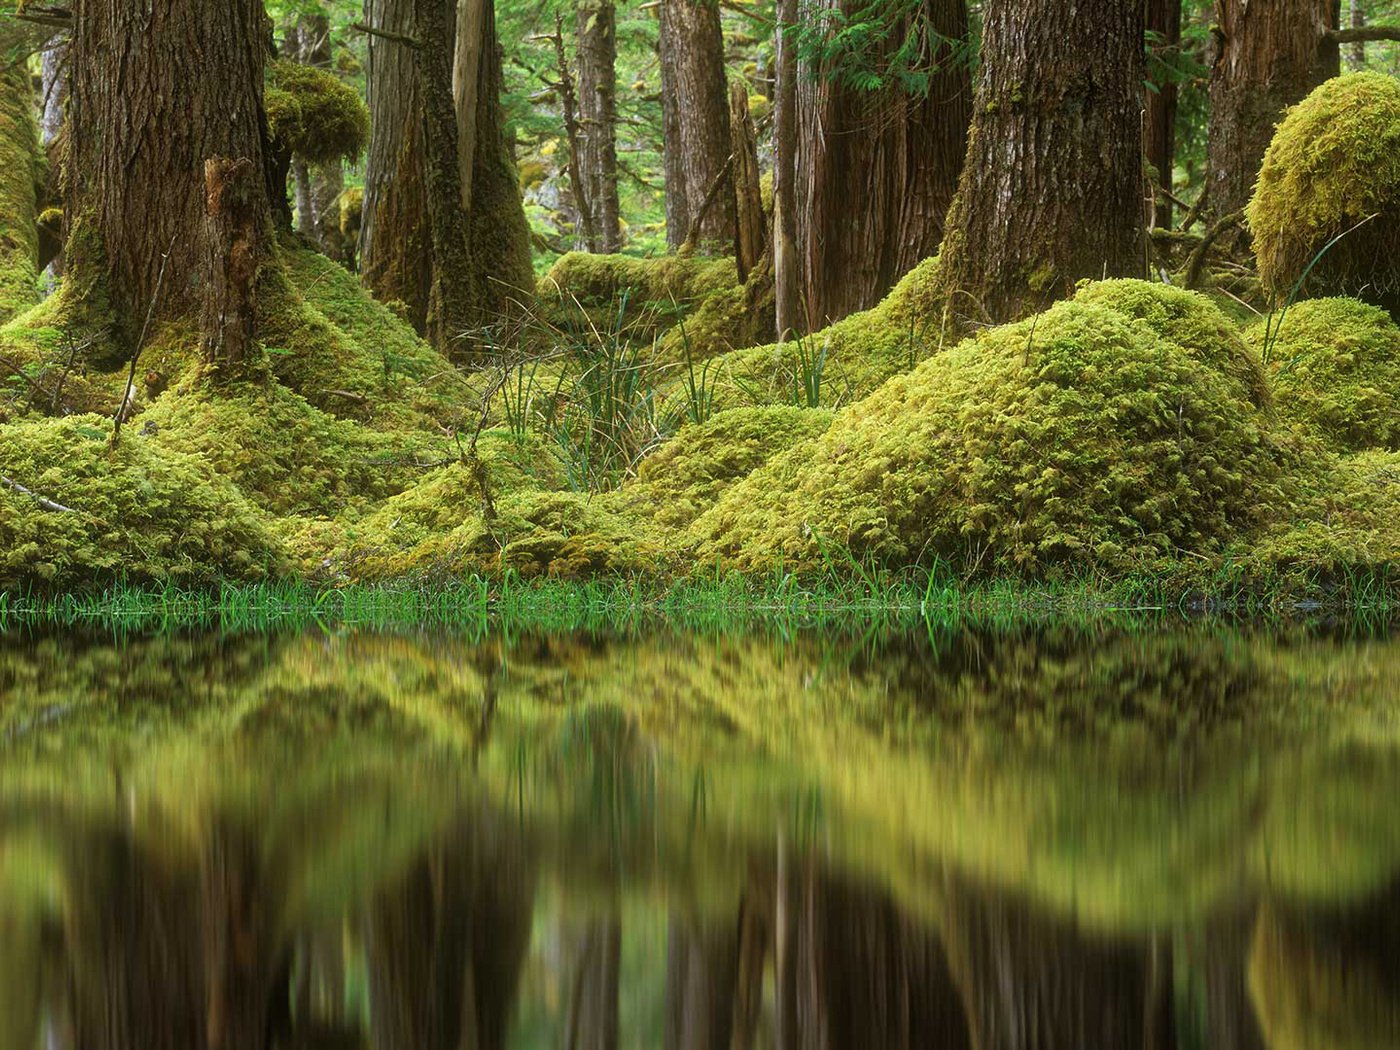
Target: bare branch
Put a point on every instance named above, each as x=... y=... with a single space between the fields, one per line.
x=384 y=34
x=1365 y=34
x=46 y=504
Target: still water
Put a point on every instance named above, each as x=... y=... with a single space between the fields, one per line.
x=1062 y=838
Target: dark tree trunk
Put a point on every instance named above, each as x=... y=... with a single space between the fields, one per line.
x=597 y=116
x=1052 y=189
x=235 y=228
x=877 y=170
x=156 y=90
x=702 y=970
x=750 y=228
x=593 y=1002
x=695 y=122
x=396 y=261
x=1269 y=55
x=1164 y=22
x=453 y=311
x=787 y=263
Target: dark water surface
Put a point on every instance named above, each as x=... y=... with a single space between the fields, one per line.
x=1188 y=837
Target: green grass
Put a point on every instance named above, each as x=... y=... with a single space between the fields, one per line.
x=859 y=596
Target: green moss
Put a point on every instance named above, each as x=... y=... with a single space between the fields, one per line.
x=1192 y=322
x=314 y=114
x=1333 y=170
x=1335 y=369
x=600 y=280
x=685 y=477
x=1080 y=437
x=140 y=512
x=285 y=454
x=21 y=181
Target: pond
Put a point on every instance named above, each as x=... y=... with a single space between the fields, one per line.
x=1180 y=835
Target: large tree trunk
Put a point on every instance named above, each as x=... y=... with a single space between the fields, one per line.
x=1269 y=55
x=877 y=170
x=695 y=123
x=396 y=261
x=787 y=263
x=1164 y=22
x=597 y=115
x=1052 y=189
x=155 y=92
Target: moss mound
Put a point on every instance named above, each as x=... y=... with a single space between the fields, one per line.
x=1333 y=170
x=1080 y=437
x=21 y=182
x=599 y=280
x=685 y=477
x=286 y=455
x=314 y=114
x=140 y=512
x=1192 y=322
x=1335 y=371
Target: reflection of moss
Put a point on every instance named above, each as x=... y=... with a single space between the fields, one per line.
x=1334 y=164
x=1335 y=369
x=1079 y=437
x=141 y=512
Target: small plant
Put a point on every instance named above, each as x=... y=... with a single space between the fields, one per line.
x=700 y=391
x=811 y=368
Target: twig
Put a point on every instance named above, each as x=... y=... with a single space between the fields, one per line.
x=384 y=34
x=46 y=504
x=127 y=398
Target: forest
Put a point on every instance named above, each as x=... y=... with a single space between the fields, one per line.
x=420 y=290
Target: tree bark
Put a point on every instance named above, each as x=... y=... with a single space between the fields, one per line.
x=1052 y=189
x=787 y=263
x=396 y=261
x=155 y=92
x=597 y=98
x=318 y=186
x=877 y=170
x=750 y=234
x=695 y=123
x=1269 y=55
x=235 y=225
x=1358 y=47
x=1164 y=21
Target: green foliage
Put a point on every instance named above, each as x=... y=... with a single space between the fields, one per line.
x=139 y=512
x=314 y=114
x=1331 y=184
x=1334 y=365
x=1079 y=437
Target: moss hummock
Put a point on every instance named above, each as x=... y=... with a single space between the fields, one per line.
x=1333 y=171
x=139 y=512
x=1078 y=439
x=1334 y=365
x=314 y=114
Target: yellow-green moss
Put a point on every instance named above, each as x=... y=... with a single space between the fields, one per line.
x=21 y=181
x=685 y=477
x=314 y=114
x=1080 y=437
x=599 y=280
x=1335 y=369
x=140 y=512
x=285 y=454
x=1333 y=169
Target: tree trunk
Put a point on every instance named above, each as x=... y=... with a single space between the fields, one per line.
x=1052 y=189
x=1358 y=48
x=156 y=91
x=1164 y=21
x=452 y=306
x=318 y=186
x=396 y=261
x=234 y=233
x=593 y=999
x=877 y=170
x=597 y=98
x=787 y=263
x=750 y=233
x=702 y=969
x=1269 y=55
x=695 y=123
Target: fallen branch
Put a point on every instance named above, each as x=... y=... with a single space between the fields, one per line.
x=46 y=504
x=384 y=34
x=1197 y=261
x=692 y=236
x=1365 y=34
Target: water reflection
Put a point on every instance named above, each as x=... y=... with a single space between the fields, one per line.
x=1058 y=839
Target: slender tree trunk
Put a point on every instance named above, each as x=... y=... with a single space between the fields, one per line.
x=750 y=233
x=787 y=263
x=156 y=92
x=1164 y=21
x=695 y=122
x=318 y=186
x=597 y=98
x=1052 y=189
x=1358 y=48
x=1269 y=55
x=878 y=169
x=453 y=311
x=396 y=261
